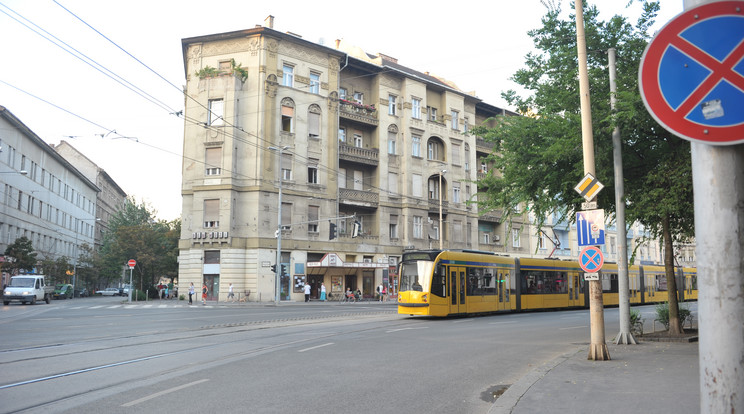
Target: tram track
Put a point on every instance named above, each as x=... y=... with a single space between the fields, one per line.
x=176 y=369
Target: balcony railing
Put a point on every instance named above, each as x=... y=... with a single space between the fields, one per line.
x=434 y=205
x=359 y=197
x=361 y=155
x=353 y=111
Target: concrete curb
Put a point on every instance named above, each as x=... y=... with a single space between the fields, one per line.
x=510 y=398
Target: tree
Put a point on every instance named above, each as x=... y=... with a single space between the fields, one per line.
x=135 y=234
x=537 y=158
x=22 y=254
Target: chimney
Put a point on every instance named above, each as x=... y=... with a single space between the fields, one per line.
x=269 y=22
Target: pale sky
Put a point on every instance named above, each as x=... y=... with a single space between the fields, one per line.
x=477 y=44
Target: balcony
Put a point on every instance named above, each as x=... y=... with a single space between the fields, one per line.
x=361 y=155
x=434 y=206
x=364 y=114
x=358 y=197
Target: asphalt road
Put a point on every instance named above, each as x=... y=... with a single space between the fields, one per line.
x=95 y=355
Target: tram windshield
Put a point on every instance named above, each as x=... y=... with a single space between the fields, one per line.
x=416 y=275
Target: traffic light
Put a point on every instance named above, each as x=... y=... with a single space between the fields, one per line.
x=332 y=233
x=273 y=268
x=357 y=228
x=285 y=271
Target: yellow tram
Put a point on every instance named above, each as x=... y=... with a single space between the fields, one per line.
x=456 y=282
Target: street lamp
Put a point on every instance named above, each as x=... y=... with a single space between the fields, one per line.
x=22 y=172
x=278 y=268
x=441 y=229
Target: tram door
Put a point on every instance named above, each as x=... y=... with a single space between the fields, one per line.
x=633 y=287
x=503 y=287
x=457 y=289
x=574 y=289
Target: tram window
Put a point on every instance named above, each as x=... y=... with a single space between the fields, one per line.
x=475 y=281
x=532 y=282
x=453 y=281
x=439 y=282
x=661 y=283
x=489 y=282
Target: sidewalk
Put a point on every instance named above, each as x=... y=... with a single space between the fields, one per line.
x=651 y=377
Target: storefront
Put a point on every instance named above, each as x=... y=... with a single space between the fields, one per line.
x=338 y=276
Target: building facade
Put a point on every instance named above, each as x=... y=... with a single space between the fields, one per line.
x=43 y=197
x=111 y=198
x=351 y=157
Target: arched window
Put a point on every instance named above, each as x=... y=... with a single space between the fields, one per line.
x=435 y=149
x=313 y=122
x=288 y=108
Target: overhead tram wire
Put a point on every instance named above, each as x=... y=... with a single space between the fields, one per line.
x=165 y=106
x=85 y=59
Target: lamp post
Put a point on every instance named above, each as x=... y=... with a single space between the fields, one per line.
x=21 y=172
x=278 y=268
x=441 y=229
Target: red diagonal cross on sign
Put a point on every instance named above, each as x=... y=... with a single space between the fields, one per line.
x=591 y=259
x=720 y=70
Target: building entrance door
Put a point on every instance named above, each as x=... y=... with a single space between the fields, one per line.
x=213 y=286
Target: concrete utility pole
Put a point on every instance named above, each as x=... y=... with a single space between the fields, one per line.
x=624 y=336
x=597 y=347
x=718 y=183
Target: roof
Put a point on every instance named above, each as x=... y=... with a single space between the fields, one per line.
x=5 y=113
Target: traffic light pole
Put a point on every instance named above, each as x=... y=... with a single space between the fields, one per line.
x=278 y=287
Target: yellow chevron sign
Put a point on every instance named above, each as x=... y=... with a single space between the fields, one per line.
x=589 y=187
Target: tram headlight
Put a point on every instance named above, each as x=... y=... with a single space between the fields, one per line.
x=424 y=298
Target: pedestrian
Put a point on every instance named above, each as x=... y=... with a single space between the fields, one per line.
x=379 y=292
x=307 y=292
x=384 y=293
x=204 y=293
x=322 y=292
x=191 y=293
x=230 y=294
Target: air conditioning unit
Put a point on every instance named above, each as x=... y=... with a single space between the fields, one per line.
x=496 y=237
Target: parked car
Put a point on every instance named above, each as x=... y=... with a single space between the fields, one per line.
x=81 y=293
x=62 y=291
x=109 y=292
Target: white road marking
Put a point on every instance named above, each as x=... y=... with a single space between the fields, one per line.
x=158 y=394
x=315 y=347
x=405 y=329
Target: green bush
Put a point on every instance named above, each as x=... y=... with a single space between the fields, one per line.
x=662 y=314
x=636 y=322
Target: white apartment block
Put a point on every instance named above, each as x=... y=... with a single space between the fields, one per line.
x=43 y=197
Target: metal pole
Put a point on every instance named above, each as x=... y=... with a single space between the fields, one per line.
x=598 y=347
x=624 y=336
x=130 y=284
x=441 y=228
x=277 y=296
x=718 y=184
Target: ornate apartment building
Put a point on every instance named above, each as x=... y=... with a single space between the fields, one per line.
x=371 y=159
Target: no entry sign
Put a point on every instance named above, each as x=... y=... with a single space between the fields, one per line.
x=692 y=74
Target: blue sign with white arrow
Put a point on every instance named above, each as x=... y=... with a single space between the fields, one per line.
x=590 y=228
